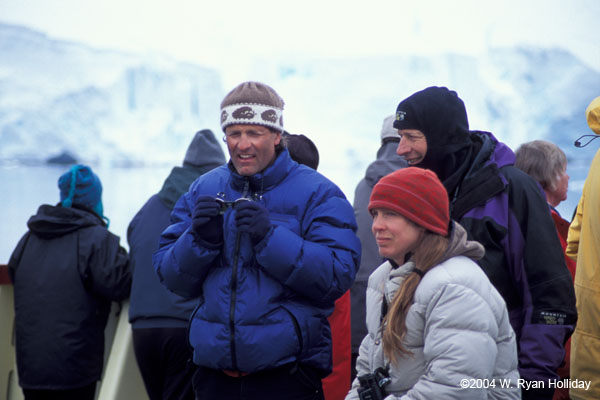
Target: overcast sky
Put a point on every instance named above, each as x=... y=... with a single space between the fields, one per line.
x=230 y=34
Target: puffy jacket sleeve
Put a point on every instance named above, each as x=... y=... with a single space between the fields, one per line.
x=105 y=264
x=458 y=344
x=368 y=358
x=575 y=231
x=362 y=366
x=321 y=264
x=181 y=262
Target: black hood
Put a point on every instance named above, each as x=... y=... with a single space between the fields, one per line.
x=53 y=221
x=441 y=115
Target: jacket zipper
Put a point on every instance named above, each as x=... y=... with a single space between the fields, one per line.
x=232 y=302
x=236 y=254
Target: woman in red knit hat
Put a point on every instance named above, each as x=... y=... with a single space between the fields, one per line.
x=437 y=327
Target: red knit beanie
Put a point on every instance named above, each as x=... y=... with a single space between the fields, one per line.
x=417 y=194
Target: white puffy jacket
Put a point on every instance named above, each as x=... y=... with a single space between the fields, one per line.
x=457 y=329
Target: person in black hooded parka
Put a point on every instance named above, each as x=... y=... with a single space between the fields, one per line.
x=505 y=210
x=158 y=317
x=66 y=271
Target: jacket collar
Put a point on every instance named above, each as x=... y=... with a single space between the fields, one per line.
x=482 y=180
x=458 y=245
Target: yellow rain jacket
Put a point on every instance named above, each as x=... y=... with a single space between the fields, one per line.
x=583 y=245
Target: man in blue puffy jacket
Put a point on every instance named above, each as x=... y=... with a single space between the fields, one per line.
x=267 y=245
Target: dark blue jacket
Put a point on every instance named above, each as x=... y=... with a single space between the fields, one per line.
x=151 y=304
x=505 y=210
x=66 y=271
x=264 y=306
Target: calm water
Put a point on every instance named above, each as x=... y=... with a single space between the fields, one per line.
x=125 y=190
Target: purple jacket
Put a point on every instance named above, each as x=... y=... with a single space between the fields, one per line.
x=504 y=209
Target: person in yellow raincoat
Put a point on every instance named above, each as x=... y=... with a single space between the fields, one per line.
x=583 y=245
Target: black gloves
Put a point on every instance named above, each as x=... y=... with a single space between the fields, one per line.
x=253 y=218
x=207 y=223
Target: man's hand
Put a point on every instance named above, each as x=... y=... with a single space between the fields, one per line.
x=251 y=217
x=207 y=223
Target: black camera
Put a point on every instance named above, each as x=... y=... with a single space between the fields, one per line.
x=225 y=205
x=372 y=386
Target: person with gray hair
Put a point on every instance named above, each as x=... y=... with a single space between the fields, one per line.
x=547 y=164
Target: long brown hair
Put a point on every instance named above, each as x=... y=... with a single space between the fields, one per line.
x=427 y=254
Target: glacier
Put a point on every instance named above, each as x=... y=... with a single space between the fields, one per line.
x=103 y=106
x=124 y=112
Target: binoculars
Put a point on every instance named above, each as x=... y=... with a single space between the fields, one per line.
x=225 y=205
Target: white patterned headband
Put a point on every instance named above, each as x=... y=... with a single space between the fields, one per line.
x=250 y=113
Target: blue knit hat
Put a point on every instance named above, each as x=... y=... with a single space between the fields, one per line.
x=80 y=186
